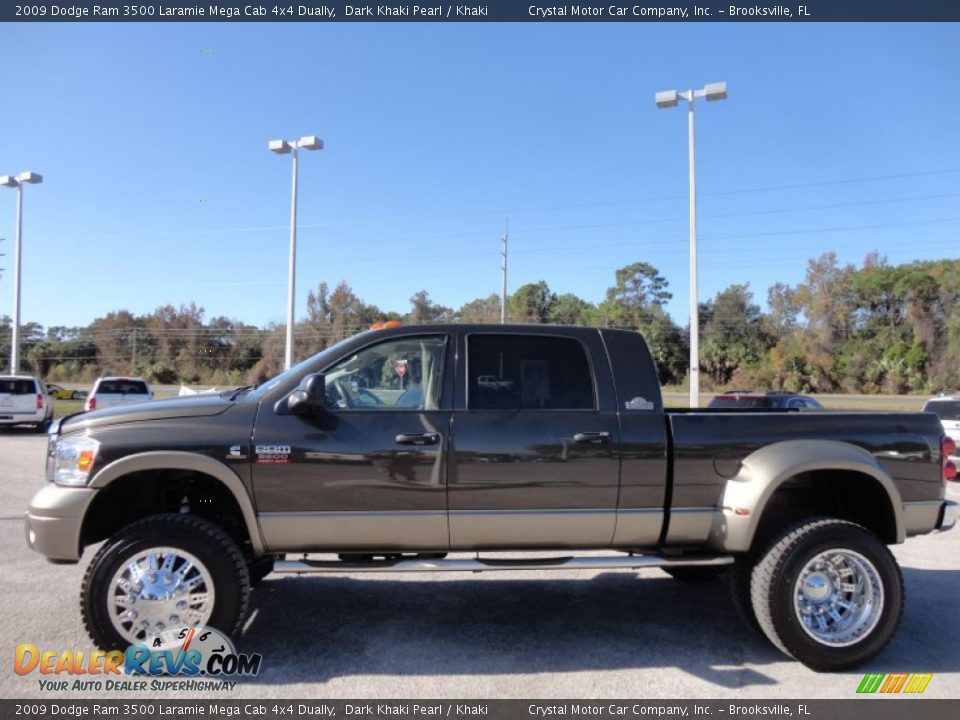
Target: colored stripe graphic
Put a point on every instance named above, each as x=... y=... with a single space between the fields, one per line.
x=913 y=683
x=918 y=683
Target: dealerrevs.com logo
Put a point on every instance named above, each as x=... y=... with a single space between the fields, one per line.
x=203 y=655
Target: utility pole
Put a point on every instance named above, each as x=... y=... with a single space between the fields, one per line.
x=133 y=359
x=503 y=269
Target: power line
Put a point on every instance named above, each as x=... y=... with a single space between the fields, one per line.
x=569 y=206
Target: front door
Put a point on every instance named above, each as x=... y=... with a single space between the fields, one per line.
x=368 y=473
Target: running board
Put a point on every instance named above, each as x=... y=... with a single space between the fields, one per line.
x=480 y=564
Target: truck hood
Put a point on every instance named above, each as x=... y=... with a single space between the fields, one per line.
x=177 y=407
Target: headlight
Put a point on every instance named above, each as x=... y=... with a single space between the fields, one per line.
x=73 y=459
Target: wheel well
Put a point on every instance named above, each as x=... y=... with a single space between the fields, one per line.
x=141 y=494
x=847 y=495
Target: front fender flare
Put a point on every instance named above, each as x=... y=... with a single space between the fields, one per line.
x=175 y=460
x=765 y=470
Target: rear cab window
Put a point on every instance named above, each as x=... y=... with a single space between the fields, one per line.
x=528 y=372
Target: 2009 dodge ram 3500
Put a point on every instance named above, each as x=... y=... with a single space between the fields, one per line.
x=397 y=446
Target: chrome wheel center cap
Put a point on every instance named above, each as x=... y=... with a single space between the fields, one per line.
x=816 y=588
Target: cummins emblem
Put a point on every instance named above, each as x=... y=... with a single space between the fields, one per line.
x=236 y=453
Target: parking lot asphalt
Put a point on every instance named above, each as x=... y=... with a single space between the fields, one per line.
x=549 y=634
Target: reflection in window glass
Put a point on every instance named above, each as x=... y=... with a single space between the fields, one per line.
x=397 y=374
x=514 y=372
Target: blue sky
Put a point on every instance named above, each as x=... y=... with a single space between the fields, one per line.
x=158 y=187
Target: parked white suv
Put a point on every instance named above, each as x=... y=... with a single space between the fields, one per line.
x=947 y=408
x=23 y=399
x=111 y=391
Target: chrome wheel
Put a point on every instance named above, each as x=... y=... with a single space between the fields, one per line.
x=159 y=588
x=838 y=597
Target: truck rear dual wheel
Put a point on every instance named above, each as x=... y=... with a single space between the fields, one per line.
x=161 y=572
x=829 y=593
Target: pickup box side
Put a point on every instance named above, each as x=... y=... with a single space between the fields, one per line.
x=877 y=469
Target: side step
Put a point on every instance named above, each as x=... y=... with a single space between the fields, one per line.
x=480 y=564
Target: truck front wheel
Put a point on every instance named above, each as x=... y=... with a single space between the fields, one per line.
x=162 y=572
x=829 y=593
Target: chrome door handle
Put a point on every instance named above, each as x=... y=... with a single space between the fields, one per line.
x=595 y=438
x=418 y=438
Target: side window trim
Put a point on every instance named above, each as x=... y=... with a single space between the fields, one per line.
x=493 y=333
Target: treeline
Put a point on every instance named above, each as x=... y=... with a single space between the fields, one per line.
x=877 y=328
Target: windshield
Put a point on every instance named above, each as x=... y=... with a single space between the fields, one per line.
x=297 y=369
x=944 y=409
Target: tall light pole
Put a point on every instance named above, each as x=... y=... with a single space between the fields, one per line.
x=282 y=147
x=17 y=182
x=503 y=270
x=668 y=99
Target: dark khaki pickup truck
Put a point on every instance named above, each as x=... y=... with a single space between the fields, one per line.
x=396 y=447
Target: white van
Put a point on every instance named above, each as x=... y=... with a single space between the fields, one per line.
x=23 y=399
x=112 y=391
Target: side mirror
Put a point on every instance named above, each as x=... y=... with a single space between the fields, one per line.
x=310 y=395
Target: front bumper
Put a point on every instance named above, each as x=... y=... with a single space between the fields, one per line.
x=948 y=516
x=54 y=521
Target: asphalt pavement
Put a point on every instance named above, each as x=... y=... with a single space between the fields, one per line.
x=550 y=634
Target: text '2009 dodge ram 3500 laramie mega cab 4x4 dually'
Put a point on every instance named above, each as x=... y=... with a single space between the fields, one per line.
x=394 y=447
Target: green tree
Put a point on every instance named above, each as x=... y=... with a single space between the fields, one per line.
x=568 y=309
x=531 y=303
x=481 y=310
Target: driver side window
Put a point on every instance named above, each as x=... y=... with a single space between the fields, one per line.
x=398 y=374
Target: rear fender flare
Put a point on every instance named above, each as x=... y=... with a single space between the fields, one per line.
x=765 y=470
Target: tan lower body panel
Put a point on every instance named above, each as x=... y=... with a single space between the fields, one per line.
x=468 y=530
x=921 y=517
x=294 y=532
x=690 y=526
x=524 y=529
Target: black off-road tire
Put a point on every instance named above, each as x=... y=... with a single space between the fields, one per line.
x=696 y=574
x=773 y=589
x=739 y=580
x=201 y=538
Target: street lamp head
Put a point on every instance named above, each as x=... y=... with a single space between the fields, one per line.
x=666 y=99
x=30 y=177
x=310 y=142
x=715 y=91
x=8 y=180
x=281 y=147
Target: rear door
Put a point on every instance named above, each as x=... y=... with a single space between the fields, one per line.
x=535 y=442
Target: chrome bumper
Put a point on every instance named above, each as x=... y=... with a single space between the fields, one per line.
x=948 y=518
